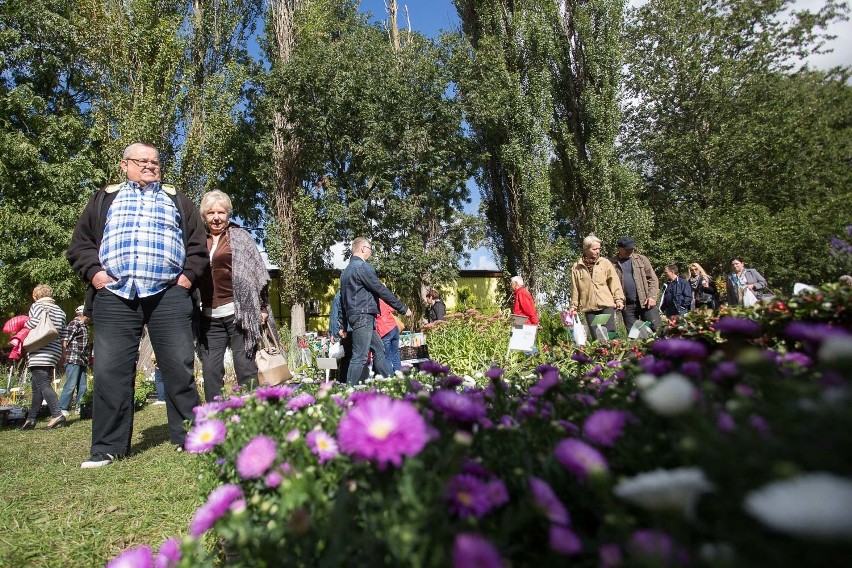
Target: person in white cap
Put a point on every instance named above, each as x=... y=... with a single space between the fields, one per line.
x=76 y=346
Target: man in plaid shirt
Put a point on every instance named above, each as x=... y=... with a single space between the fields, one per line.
x=141 y=246
x=76 y=347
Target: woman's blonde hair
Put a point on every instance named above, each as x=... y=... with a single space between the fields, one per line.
x=589 y=241
x=211 y=198
x=42 y=291
x=701 y=271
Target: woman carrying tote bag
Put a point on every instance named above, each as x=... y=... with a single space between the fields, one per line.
x=42 y=360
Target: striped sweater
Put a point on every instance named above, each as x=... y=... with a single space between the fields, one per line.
x=50 y=354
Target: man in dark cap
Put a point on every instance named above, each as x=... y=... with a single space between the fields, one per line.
x=640 y=284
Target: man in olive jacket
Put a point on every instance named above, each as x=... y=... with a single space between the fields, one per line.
x=639 y=282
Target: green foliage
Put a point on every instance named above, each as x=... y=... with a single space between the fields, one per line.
x=471 y=342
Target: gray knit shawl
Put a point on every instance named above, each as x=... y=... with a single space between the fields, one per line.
x=250 y=277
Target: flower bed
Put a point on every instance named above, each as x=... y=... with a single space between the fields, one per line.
x=728 y=450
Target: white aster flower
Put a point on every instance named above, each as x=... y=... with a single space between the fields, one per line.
x=645 y=380
x=308 y=381
x=814 y=505
x=666 y=490
x=673 y=394
x=468 y=381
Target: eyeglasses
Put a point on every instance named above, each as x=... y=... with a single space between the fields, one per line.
x=368 y=247
x=153 y=164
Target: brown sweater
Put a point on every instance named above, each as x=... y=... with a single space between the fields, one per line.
x=217 y=285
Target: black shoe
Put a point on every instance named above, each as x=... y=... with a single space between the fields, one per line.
x=29 y=425
x=98 y=460
x=57 y=421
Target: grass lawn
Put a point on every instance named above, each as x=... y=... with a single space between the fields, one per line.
x=52 y=513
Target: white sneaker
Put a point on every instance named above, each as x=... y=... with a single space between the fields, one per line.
x=97 y=460
x=159 y=402
x=66 y=414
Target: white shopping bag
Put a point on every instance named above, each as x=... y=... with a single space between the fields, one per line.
x=578 y=331
x=749 y=299
x=335 y=351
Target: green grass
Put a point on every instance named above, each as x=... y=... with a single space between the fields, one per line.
x=52 y=513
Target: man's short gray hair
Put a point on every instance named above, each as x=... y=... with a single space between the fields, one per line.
x=517 y=280
x=360 y=242
x=129 y=149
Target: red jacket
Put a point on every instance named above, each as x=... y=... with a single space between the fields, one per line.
x=384 y=321
x=524 y=306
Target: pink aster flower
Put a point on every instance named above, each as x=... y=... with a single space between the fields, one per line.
x=256 y=457
x=218 y=503
x=169 y=554
x=273 y=479
x=580 y=458
x=137 y=557
x=383 y=430
x=205 y=435
x=273 y=393
x=471 y=549
x=546 y=500
x=293 y=435
x=564 y=541
x=321 y=444
x=300 y=401
x=604 y=427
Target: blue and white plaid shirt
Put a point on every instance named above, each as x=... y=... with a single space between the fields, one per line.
x=143 y=243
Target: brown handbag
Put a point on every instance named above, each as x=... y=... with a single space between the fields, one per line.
x=271 y=360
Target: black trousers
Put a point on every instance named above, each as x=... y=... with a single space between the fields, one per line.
x=118 y=329
x=635 y=312
x=217 y=334
x=43 y=390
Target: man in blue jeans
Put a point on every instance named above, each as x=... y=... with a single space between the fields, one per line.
x=360 y=290
x=141 y=246
x=76 y=346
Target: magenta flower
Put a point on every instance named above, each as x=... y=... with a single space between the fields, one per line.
x=656 y=545
x=138 y=557
x=812 y=332
x=300 y=401
x=293 y=435
x=610 y=555
x=549 y=379
x=570 y=427
x=724 y=370
x=383 y=430
x=279 y=392
x=564 y=541
x=205 y=411
x=169 y=554
x=580 y=458
x=797 y=358
x=733 y=326
x=680 y=348
x=604 y=427
x=218 y=503
x=322 y=445
x=546 y=500
x=273 y=479
x=497 y=493
x=494 y=373
x=581 y=357
x=461 y=407
x=468 y=496
x=434 y=368
x=256 y=457
x=760 y=425
x=691 y=369
x=204 y=436
x=471 y=549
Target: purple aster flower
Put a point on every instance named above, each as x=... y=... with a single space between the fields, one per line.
x=760 y=425
x=234 y=402
x=497 y=493
x=680 y=348
x=471 y=549
x=614 y=363
x=581 y=357
x=273 y=479
x=460 y=407
x=812 y=332
x=544 y=384
x=205 y=411
x=169 y=554
x=604 y=427
x=610 y=555
x=383 y=430
x=507 y=421
x=468 y=495
x=238 y=506
x=691 y=369
x=434 y=368
x=564 y=541
x=321 y=444
x=494 y=373
x=547 y=501
x=339 y=401
x=204 y=436
x=300 y=401
x=733 y=326
x=448 y=382
x=218 y=503
x=797 y=358
x=570 y=427
x=656 y=545
x=256 y=457
x=585 y=399
x=744 y=391
x=593 y=372
x=137 y=557
x=725 y=423
x=580 y=458
x=279 y=392
x=415 y=385
x=724 y=370
x=472 y=467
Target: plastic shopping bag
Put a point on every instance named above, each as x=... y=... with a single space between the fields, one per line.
x=578 y=331
x=749 y=299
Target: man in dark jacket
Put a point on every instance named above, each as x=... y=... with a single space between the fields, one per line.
x=639 y=282
x=360 y=290
x=677 y=296
x=141 y=246
x=437 y=309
